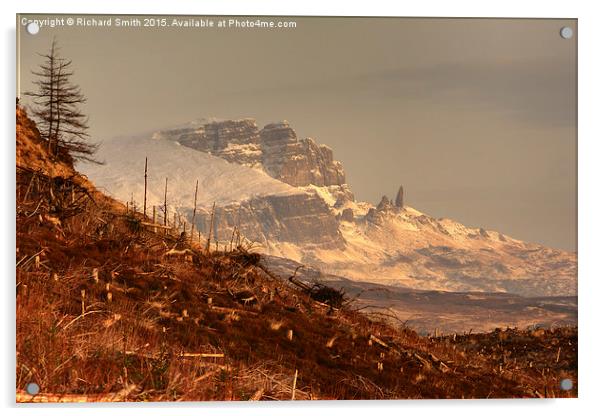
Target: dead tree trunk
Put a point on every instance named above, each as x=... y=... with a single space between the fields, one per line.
x=145 y=183
x=210 y=229
x=165 y=208
x=196 y=190
x=154 y=218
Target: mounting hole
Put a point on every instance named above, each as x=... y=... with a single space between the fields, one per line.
x=32 y=388
x=566 y=384
x=566 y=32
x=32 y=28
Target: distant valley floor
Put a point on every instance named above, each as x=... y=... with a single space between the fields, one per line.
x=441 y=312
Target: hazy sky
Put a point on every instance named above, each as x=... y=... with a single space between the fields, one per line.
x=475 y=117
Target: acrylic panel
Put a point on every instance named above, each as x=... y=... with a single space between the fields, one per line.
x=217 y=208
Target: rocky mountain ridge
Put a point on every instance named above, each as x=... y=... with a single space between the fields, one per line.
x=276 y=149
x=403 y=246
x=316 y=219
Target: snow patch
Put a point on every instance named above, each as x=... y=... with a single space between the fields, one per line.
x=219 y=181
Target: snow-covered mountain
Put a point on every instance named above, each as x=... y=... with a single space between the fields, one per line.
x=219 y=181
x=263 y=207
x=403 y=246
x=289 y=195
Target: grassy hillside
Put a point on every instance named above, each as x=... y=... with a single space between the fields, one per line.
x=111 y=307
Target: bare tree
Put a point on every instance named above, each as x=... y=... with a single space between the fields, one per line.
x=56 y=109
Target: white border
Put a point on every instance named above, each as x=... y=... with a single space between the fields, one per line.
x=590 y=214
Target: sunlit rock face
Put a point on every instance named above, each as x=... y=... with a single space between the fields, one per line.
x=276 y=149
x=237 y=141
x=298 y=162
x=298 y=219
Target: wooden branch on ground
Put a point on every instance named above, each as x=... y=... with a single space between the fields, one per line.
x=207 y=375
x=294 y=385
x=142 y=354
x=152 y=225
x=230 y=310
x=317 y=302
x=379 y=341
x=257 y=395
x=24 y=397
x=181 y=355
x=424 y=361
x=201 y=355
x=174 y=252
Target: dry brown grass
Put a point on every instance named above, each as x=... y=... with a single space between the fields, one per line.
x=103 y=314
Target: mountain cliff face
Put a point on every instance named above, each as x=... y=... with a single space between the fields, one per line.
x=262 y=208
x=289 y=195
x=298 y=162
x=301 y=220
x=275 y=149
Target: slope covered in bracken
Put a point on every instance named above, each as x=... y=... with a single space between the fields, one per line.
x=32 y=152
x=111 y=307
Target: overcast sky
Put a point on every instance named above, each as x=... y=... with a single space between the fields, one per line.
x=475 y=117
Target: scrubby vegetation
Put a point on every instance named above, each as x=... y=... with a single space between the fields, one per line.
x=111 y=306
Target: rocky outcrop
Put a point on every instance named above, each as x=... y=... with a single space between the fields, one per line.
x=347 y=215
x=231 y=132
x=399 y=197
x=298 y=162
x=385 y=207
x=276 y=149
x=342 y=195
x=377 y=215
x=237 y=141
x=384 y=204
x=300 y=218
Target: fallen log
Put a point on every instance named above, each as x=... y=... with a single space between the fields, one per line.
x=424 y=361
x=257 y=395
x=181 y=355
x=24 y=397
x=201 y=355
x=231 y=310
x=207 y=375
x=174 y=252
x=379 y=341
x=294 y=389
x=154 y=225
